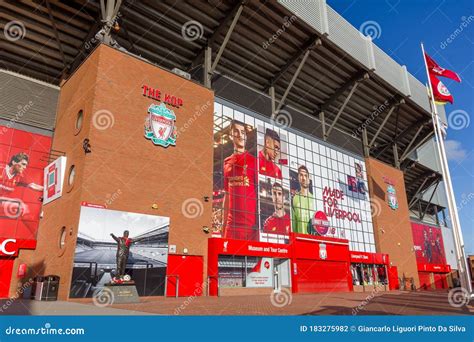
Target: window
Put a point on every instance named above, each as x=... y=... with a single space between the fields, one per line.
x=253 y=272
x=72 y=175
x=79 y=121
x=62 y=238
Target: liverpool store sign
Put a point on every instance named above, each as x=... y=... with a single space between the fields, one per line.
x=270 y=181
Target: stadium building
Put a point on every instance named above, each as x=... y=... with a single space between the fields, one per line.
x=247 y=146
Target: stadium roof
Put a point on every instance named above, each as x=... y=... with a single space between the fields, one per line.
x=311 y=56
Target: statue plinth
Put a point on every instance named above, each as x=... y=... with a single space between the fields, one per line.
x=123 y=293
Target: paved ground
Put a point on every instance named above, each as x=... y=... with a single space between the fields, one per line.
x=392 y=303
x=382 y=303
x=58 y=308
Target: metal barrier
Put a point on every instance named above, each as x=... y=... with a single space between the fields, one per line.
x=166 y=284
x=218 y=288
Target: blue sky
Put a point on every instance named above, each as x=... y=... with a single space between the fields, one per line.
x=400 y=26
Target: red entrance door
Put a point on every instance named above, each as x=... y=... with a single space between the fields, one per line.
x=440 y=281
x=184 y=272
x=6 y=267
x=425 y=280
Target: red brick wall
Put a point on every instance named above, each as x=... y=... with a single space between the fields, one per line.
x=125 y=171
x=392 y=228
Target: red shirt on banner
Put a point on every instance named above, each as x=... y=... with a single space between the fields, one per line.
x=8 y=181
x=267 y=167
x=277 y=225
x=240 y=175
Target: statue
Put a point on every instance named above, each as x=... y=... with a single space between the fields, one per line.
x=123 y=251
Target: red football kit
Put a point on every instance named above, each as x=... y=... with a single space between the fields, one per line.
x=277 y=225
x=240 y=176
x=267 y=167
x=8 y=182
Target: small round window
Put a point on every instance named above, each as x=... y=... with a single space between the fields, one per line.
x=72 y=175
x=62 y=238
x=79 y=120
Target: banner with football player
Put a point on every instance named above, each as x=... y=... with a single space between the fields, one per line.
x=270 y=181
x=23 y=156
x=428 y=244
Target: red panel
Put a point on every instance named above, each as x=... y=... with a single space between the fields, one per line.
x=440 y=281
x=250 y=248
x=23 y=196
x=6 y=135
x=308 y=247
x=6 y=267
x=433 y=268
x=428 y=241
x=393 y=282
x=425 y=280
x=189 y=268
x=22 y=139
x=369 y=258
x=322 y=276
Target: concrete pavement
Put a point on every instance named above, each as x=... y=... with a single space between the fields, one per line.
x=344 y=303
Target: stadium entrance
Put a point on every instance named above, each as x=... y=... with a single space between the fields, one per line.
x=369 y=271
x=238 y=266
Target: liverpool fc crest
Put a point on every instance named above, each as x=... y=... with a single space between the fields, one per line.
x=392 y=197
x=160 y=125
x=323 y=253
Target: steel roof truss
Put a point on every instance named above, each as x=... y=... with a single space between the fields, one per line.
x=226 y=39
x=293 y=79
x=56 y=34
x=417 y=145
x=393 y=106
x=413 y=140
x=341 y=109
x=431 y=198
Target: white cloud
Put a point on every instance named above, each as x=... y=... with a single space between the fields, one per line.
x=454 y=150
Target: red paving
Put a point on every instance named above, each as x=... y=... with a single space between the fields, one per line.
x=382 y=303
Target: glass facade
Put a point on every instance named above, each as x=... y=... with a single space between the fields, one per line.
x=369 y=274
x=271 y=180
x=247 y=271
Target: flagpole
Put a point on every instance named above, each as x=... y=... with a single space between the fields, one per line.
x=455 y=222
